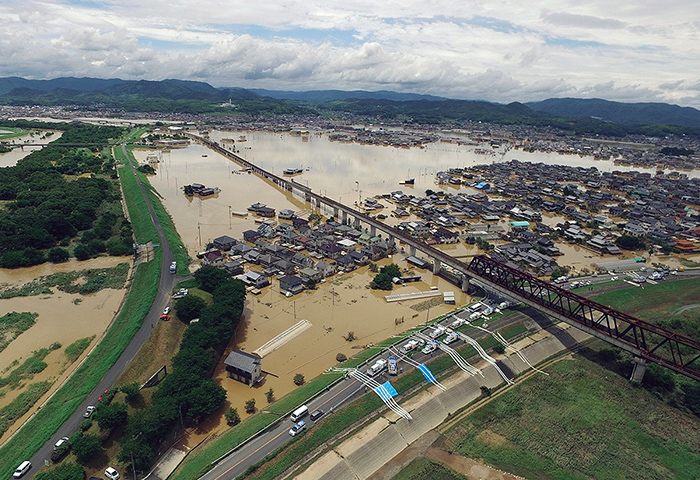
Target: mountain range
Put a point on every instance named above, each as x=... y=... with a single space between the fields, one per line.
x=186 y=96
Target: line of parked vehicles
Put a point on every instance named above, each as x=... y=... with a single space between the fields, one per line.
x=391 y=363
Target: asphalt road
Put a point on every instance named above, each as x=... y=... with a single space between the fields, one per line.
x=337 y=396
x=167 y=282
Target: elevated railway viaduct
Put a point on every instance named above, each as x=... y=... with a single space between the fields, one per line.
x=646 y=341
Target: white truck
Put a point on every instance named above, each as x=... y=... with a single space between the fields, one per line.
x=378 y=366
x=438 y=332
x=410 y=346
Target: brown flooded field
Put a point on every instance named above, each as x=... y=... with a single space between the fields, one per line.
x=63 y=318
x=341 y=304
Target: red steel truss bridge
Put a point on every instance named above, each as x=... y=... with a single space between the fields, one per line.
x=645 y=340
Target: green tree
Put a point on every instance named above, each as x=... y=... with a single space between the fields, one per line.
x=205 y=399
x=132 y=392
x=232 y=416
x=250 y=406
x=58 y=255
x=630 y=242
x=110 y=416
x=392 y=270
x=189 y=307
x=137 y=449
x=382 y=281
x=210 y=278
x=299 y=379
x=270 y=395
x=85 y=445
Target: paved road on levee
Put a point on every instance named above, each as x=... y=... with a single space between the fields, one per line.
x=334 y=398
x=167 y=282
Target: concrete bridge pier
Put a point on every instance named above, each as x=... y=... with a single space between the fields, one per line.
x=345 y=218
x=640 y=366
x=356 y=223
x=372 y=230
x=465 y=284
x=436 y=266
x=336 y=212
x=307 y=197
x=412 y=251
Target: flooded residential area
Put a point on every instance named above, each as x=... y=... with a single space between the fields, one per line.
x=350 y=173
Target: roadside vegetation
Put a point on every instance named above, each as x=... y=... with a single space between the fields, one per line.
x=10 y=413
x=581 y=421
x=187 y=394
x=75 y=349
x=424 y=469
x=178 y=247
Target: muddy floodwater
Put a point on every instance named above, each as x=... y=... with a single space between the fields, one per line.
x=349 y=173
x=63 y=318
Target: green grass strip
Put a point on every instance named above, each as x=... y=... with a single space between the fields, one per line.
x=144 y=229
x=18 y=407
x=166 y=222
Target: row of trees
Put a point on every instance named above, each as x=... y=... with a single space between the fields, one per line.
x=188 y=394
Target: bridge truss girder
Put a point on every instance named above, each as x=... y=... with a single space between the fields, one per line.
x=644 y=339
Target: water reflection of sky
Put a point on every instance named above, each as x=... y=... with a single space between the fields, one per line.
x=338 y=167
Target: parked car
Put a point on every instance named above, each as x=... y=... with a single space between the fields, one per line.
x=315 y=415
x=60 y=442
x=89 y=411
x=111 y=473
x=166 y=310
x=298 y=427
x=22 y=469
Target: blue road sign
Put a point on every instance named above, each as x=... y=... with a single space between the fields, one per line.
x=390 y=388
x=427 y=373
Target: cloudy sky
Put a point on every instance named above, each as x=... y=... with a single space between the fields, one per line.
x=503 y=51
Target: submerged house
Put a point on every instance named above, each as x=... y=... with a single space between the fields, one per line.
x=244 y=367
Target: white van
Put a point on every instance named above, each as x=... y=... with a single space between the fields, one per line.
x=22 y=469
x=299 y=413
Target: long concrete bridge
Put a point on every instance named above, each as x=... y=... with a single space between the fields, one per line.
x=646 y=341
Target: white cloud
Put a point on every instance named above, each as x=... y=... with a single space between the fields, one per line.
x=501 y=51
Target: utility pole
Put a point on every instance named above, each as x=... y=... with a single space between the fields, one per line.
x=199 y=230
x=229 y=217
